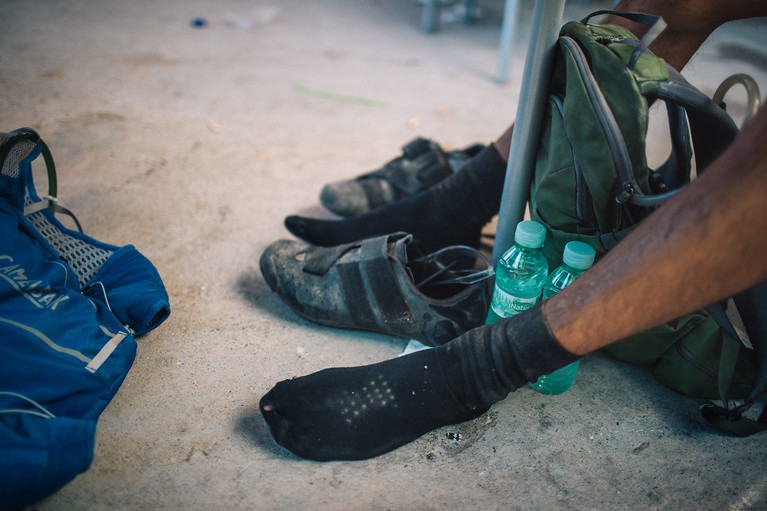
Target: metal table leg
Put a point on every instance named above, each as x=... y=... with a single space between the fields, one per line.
x=430 y=17
x=510 y=14
x=547 y=19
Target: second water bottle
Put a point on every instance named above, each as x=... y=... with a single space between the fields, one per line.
x=577 y=258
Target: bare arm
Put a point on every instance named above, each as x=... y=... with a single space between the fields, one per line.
x=705 y=244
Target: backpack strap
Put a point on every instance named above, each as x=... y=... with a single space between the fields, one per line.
x=21 y=134
x=675 y=171
x=48 y=201
x=637 y=17
x=712 y=131
x=751 y=305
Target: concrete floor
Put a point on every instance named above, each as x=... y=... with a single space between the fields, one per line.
x=194 y=143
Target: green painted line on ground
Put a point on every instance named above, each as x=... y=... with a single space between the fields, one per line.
x=339 y=97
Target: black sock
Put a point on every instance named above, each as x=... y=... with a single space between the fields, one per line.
x=451 y=212
x=361 y=412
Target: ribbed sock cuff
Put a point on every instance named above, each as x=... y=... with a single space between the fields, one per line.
x=536 y=350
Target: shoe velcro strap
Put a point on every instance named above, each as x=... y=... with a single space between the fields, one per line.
x=374 y=192
x=437 y=169
x=416 y=147
x=355 y=296
x=426 y=170
x=370 y=288
x=410 y=151
x=319 y=260
x=384 y=288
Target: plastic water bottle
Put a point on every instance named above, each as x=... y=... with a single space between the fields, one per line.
x=577 y=258
x=520 y=273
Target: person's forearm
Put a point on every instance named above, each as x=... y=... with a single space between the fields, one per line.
x=689 y=23
x=705 y=244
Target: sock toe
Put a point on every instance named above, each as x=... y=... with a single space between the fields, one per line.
x=311 y=230
x=279 y=423
x=296 y=225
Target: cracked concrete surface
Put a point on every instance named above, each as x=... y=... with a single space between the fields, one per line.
x=193 y=144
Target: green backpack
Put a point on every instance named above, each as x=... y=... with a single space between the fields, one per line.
x=592 y=183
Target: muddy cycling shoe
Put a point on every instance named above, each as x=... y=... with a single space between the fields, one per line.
x=423 y=163
x=385 y=284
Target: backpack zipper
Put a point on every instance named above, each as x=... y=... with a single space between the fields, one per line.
x=582 y=193
x=607 y=120
x=701 y=365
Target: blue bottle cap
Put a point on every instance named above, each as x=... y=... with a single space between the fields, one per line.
x=529 y=234
x=578 y=255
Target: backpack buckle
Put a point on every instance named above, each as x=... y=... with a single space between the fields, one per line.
x=711 y=410
x=625 y=195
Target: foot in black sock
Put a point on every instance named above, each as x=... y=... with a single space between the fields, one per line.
x=360 y=412
x=451 y=212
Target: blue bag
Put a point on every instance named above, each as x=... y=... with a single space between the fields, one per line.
x=70 y=307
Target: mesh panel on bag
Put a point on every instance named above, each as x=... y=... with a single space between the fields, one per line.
x=83 y=257
x=18 y=152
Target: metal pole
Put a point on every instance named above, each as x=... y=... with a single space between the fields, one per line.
x=510 y=12
x=429 y=17
x=547 y=19
x=468 y=15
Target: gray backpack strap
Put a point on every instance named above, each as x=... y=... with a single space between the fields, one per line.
x=752 y=307
x=48 y=201
x=713 y=130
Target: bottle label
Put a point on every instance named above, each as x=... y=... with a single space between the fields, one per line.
x=506 y=305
